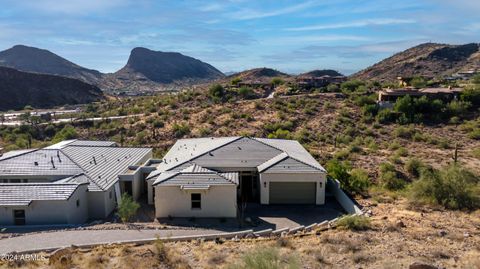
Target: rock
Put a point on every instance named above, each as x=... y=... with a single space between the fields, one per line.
x=418 y=265
x=442 y=233
x=219 y=241
x=283 y=234
x=235 y=239
x=250 y=235
x=400 y=224
x=466 y=234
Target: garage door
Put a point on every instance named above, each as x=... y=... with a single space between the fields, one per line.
x=292 y=192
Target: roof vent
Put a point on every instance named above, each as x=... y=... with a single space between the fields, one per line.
x=58 y=156
x=53 y=163
x=210 y=153
x=35 y=163
x=94 y=161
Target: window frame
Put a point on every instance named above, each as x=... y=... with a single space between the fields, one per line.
x=195 y=201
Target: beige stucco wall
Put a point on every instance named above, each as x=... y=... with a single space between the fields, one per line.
x=266 y=178
x=101 y=203
x=52 y=212
x=218 y=201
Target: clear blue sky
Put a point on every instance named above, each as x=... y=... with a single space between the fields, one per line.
x=233 y=35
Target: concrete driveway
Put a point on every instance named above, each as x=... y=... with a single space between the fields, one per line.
x=283 y=216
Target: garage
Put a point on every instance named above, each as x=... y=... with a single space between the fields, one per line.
x=292 y=192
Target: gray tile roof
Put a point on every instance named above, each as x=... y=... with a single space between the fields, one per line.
x=286 y=164
x=195 y=175
x=41 y=162
x=235 y=152
x=103 y=164
x=23 y=194
x=76 y=142
x=14 y=153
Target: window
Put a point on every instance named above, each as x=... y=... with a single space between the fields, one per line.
x=19 y=217
x=78 y=203
x=196 y=201
x=15 y=181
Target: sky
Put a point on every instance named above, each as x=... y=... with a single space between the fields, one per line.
x=235 y=35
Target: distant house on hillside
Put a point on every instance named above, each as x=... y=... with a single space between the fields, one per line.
x=309 y=82
x=210 y=177
x=70 y=182
x=391 y=95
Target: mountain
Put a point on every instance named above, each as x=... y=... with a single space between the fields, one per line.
x=147 y=67
x=30 y=59
x=42 y=91
x=429 y=60
x=259 y=74
x=323 y=72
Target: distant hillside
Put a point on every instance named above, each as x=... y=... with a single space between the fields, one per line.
x=30 y=59
x=259 y=74
x=429 y=59
x=148 y=67
x=323 y=72
x=42 y=91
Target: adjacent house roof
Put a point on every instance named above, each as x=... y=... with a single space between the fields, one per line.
x=195 y=175
x=103 y=164
x=41 y=162
x=23 y=194
x=76 y=142
x=98 y=160
x=237 y=152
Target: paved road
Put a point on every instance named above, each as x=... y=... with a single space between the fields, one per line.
x=67 y=238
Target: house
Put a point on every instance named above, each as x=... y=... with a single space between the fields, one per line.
x=446 y=93
x=309 y=82
x=70 y=182
x=213 y=177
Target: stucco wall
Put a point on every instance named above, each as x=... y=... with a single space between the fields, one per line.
x=218 y=201
x=52 y=212
x=266 y=178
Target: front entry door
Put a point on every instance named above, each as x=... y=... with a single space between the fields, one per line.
x=19 y=217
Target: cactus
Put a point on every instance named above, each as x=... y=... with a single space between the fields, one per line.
x=455 y=154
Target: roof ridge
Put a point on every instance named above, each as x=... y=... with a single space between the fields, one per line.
x=21 y=154
x=287 y=155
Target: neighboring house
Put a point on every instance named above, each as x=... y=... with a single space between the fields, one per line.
x=308 y=82
x=446 y=94
x=214 y=177
x=70 y=182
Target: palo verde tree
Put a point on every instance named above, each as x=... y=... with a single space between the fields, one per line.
x=127 y=207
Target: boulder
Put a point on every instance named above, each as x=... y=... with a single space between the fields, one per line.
x=419 y=265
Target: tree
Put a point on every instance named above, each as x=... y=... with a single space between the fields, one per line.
x=246 y=92
x=235 y=81
x=68 y=132
x=277 y=81
x=127 y=207
x=418 y=82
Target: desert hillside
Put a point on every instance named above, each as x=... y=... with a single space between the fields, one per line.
x=428 y=60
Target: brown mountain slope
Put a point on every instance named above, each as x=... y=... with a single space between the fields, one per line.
x=42 y=91
x=259 y=74
x=429 y=59
x=30 y=59
x=323 y=72
x=147 y=68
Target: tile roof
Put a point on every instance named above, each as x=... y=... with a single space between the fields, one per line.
x=23 y=194
x=195 y=175
x=41 y=162
x=76 y=142
x=103 y=164
x=233 y=152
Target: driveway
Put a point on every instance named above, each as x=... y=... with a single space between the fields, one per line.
x=67 y=238
x=289 y=216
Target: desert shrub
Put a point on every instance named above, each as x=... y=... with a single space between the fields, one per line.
x=453 y=187
x=385 y=116
x=180 y=130
x=404 y=132
x=246 y=92
x=389 y=177
x=266 y=258
x=354 y=223
x=458 y=108
x=216 y=92
x=418 y=82
x=280 y=134
x=68 y=132
x=476 y=153
x=351 y=85
x=127 y=207
x=471 y=95
x=414 y=167
x=351 y=180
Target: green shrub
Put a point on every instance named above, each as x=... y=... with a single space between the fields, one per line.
x=453 y=187
x=68 y=132
x=246 y=92
x=414 y=167
x=389 y=178
x=180 y=130
x=354 y=223
x=351 y=180
x=127 y=207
